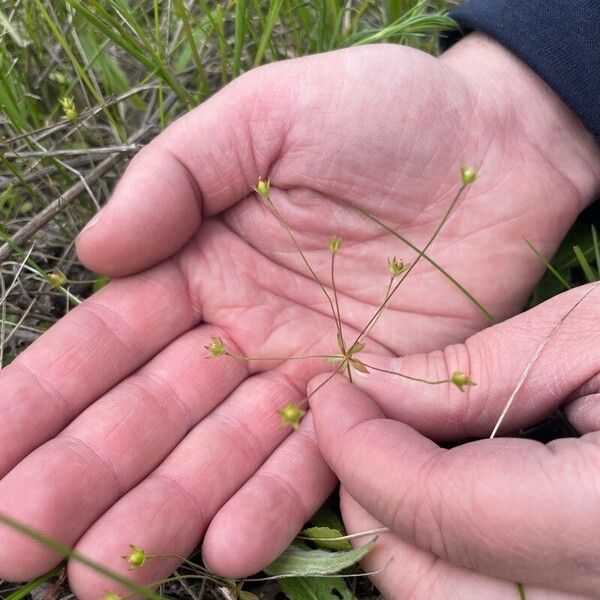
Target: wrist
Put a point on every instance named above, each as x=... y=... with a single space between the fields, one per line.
x=526 y=107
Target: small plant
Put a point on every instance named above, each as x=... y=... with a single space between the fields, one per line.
x=347 y=357
x=68 y=107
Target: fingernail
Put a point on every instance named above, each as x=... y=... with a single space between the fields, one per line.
x=92 y=222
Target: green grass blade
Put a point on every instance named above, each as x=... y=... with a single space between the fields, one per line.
x=585 y=265
x=71 y=554
x=272 y=16
x=430 y=260
x=596 y=249
x=548 y=265
x=189 y=36
x=145 y=53
x=30 y=587
x=240 y=35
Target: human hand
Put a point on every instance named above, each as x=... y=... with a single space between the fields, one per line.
x=116 y=428
x=470 y=521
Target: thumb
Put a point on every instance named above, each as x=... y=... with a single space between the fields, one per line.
x=510 y=508
x=203 y=163
x=495 y=359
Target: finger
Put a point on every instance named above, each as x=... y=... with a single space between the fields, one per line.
x=584 y=413
x=510 y=508
x=583 y=409
x=204 y=162
x=170 y=510
x=86 y=353
x=495 y=359
x=404 y=571
x=67 y=483
x=267 y=513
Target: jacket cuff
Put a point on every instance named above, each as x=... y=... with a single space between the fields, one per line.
x=559 y=41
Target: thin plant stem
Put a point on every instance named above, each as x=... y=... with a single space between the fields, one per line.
x=71 y=554
x=337 y=305
x=437 y=382
x=284 y=224
x=548 y=265
x=181 y=578
x=338 y=321
x=274 y=358
x=343 y=538
x=349 y=371
x=385 y=299
x=534 y=359
x=430 y=260
x=380 y=310
x=313 y=392
x=185 y=561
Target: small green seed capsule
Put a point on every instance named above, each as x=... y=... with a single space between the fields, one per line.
x=262 y=187
x=136 y=558
x=335 y=243
x=111 y=596
x=216 y=348
x=396 y=266
x=468 y=175
x=57 y=277
x=291 y=415
x=460 y=380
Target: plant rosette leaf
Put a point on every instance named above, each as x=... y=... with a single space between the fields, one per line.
x=315 y=588
x=302 y=561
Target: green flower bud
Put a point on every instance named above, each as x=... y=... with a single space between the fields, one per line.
x=216 y=348
x=262 y=187
x=291 y=415
x=468 y=175
x=335 y=243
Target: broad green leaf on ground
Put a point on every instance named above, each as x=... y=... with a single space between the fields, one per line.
x=315 y=588
x=300 y=560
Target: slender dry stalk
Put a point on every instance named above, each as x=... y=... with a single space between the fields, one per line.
x=536 y=355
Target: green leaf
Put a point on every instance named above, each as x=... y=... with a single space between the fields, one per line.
x=326 y=516
x=315 y=588
x=596 y=249
x=27 y=589
x=584 y=263
x=100 y=282
x=548 y=265
x=300 y=560
x=327 y=532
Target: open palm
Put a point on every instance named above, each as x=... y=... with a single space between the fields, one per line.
x=118 y=430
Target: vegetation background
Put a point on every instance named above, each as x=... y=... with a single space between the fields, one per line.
x=84 y=84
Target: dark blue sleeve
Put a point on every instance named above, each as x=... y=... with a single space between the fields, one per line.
x=558 y=39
